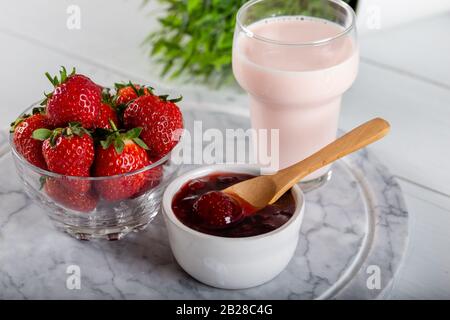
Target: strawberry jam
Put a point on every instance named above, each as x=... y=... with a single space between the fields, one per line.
x=200 y=205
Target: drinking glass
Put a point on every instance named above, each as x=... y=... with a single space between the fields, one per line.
x=295 y=59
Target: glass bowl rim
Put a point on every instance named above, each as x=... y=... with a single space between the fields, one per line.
x=47 y=173
x=250 y=34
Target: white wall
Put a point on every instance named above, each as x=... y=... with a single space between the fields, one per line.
x=374 y=15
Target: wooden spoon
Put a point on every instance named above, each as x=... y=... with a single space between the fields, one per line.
x=264 y=190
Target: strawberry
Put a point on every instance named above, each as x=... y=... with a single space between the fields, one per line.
x=106 y=114
x=127 y=92
x=121 y=153
x=217 y=210
x=160 y=120
x=69 y=198
x=107 y=111
x=76 y=98
x=68 y=151
x=28 y=147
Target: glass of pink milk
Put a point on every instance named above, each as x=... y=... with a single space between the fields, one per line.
x=296 y=58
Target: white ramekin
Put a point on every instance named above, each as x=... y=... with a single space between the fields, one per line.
x=231 y=263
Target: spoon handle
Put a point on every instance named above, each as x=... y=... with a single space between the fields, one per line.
x=352 y=141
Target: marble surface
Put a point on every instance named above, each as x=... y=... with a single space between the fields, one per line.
x=3 y=142
x=356 y=221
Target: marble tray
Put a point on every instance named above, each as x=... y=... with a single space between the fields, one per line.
x=354 y=229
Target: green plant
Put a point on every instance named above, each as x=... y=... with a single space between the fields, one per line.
x=196 y=37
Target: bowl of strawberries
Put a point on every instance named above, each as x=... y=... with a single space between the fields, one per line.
x=97 y=159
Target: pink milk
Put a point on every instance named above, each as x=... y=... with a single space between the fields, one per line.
x=296 y=88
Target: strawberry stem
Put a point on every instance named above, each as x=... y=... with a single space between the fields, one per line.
x=113 y=126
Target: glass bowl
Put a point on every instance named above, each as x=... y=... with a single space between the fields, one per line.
x=87 y=216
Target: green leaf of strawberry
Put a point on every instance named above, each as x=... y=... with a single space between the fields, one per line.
x=62 y=76
x=41 y=134
x=107 y=142
x=140 y=143
x=165 y=97
x=127 y=92
x=107 y=97
x=75 y=128
x=119 y=138
x=133 y=133
x=175 y=100
x=119 y=145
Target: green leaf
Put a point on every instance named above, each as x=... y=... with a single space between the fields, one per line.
x=38 y=110
x=167 y=67
x=41 y=134
x=49 y=77
x=113 y=125
x=54 y=136
x=193 y=5
x=119 y=145
x=75 y=124
x=107 y=143
x=175 y=100
x=133 y=133
x=140 y=143
x=134 y=88
x=119 y=86
x=63 y=74
x=107 y=97
x=75 y=128
x=104 y=143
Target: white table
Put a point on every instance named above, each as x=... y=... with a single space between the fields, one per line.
x=404 y=77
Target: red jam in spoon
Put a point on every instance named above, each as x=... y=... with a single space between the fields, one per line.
x=200 y=205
